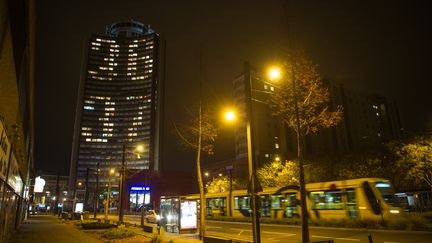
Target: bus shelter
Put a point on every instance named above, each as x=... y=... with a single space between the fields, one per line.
x=178 y=215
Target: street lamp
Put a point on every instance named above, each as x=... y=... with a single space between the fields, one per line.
x=254 y=186
x=111 y=172
x=276 y=74
x=138 y=150
x=78 y=184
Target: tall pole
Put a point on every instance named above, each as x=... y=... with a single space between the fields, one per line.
x=251 y=154
x=96 y=193
x=57 y=195
x=230 y=192
x=108 y=195
x=122 y=179
x=86 y=189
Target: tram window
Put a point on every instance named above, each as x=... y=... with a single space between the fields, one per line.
x=276 y=201
x=216 y=202
x=241 y=202
x=327 y=200
x=387 y=192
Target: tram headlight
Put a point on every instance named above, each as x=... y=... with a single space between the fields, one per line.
x=394 y=211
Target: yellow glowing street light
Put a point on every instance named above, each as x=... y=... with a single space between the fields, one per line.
x=274 y=73
x=140 y=148
x=230 y=115
x=80 y=183
x=112 y=171
x=206 y=174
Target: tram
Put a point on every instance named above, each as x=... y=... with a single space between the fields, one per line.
x=362 y=198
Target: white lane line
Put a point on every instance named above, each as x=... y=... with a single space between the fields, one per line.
x=277 y=233
x=327 y=237
x=240 y=232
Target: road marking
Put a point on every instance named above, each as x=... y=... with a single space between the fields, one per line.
x=240 y=232
x=327 y=237
x=277 y=233
x=213 y=227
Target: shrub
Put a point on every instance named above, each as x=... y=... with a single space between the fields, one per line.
x=97 y=225
x=118 y=234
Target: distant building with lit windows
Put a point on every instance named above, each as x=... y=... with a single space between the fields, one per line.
x=118 y=105
x=368 y=121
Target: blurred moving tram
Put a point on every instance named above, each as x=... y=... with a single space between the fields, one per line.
x=363 y=198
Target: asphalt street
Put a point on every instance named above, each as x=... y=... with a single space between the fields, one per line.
x=284 y=233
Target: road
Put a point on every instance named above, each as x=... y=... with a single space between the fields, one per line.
x=286 y=233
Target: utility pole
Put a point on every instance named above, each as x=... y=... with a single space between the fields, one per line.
x=96 y=193
x=122 y=179
x=86 y=190
x=253 y=183
x=57 y=195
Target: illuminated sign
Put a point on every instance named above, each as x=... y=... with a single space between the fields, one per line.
x=188 y=215
x=140 y=188
x=39 y=184
x=79 y=207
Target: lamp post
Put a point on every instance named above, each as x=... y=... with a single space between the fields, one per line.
x=122 y=177
x=111 y=172
x=79 y=184
x=251 y=154
x=138 y=149
x=96 y=193
x=274 y=73
x=254 y=185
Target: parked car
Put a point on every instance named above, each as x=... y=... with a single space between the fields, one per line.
x=152 y=217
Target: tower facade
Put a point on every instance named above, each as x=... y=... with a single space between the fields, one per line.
x=118 y=105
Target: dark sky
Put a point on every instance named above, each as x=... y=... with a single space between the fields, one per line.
x=378 y=47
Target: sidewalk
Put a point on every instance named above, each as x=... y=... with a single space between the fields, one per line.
x=165 y=237
x=48 y=229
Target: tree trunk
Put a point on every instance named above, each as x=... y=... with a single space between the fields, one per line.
x=200 y=181
x=303 y=204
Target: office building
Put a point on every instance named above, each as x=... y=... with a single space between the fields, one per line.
x=368 y=121
x=118 y=106
x=17 y=78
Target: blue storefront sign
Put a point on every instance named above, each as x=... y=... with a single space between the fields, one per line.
x=139 y=188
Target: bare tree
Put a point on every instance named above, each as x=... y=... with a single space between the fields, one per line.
x=199 y=136
x=302 y=102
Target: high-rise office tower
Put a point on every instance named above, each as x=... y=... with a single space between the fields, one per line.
x=118 y=106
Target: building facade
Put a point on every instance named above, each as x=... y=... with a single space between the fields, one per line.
x=118 y=105
x=17 y=52
x=368 y=121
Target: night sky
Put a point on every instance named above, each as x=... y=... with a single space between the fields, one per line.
x=381 y=47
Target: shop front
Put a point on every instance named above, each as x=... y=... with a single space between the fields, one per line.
x=139 y=198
